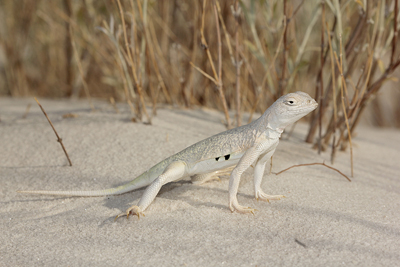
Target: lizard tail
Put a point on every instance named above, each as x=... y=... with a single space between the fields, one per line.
x=139 y=182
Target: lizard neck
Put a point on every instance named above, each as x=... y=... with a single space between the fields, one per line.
x=273 y=133
x=269 y=124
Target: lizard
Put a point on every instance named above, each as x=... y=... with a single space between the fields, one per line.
x=233 y=150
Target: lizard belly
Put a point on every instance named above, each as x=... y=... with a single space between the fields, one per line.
x=215 y=164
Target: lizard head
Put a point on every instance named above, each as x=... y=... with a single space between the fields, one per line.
x=290 y=108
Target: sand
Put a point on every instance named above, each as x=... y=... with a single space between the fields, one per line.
x=324 y=219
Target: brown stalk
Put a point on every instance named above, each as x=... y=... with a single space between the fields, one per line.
x=204 y=73
x=237 y=64
x=52 y=126
x=78 y=61
x=316 y=163
x=128 y=100
x=204 y=42
x=395 y=33
x=152 y=55
x=165 y=91
x=132 y=64
x=369 y=63
x=374 y=87
x=220 y=84
x=68 y=48
x=217 y=77
x=154 y=94
x=297 y=9
x=333 y=96
x=227 y=38
x=356 y=37
x=271 y=65
x=321 y=80
x=282 y=83
x=343 y=84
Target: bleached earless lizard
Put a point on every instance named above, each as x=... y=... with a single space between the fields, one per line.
x=238 y=149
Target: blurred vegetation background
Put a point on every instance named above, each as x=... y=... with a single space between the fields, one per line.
x=229 y=55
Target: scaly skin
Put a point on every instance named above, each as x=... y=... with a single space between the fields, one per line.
x=238 y=149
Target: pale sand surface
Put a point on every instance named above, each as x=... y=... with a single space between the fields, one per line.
x=323 y=221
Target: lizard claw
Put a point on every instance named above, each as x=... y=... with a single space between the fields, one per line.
x=264 y=197
x=134 y=210
x=241 y=209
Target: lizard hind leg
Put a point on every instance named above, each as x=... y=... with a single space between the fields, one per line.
x=175 y=171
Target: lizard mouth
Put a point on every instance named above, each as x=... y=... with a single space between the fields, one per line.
x=304 y=108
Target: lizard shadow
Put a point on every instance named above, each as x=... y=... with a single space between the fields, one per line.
x=124 y=201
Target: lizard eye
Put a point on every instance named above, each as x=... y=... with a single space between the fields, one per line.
x=290 y=102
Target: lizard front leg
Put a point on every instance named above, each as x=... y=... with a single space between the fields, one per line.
x=258 y=176
x=175 y=171
x=249 y=157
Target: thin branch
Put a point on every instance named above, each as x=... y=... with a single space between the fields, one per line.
x=204 y=42
x=228 y=42
x=237 y=63
x=395 y=33
x=52 y=126
x=321 y=80
x=316 y=163
x=282 y=82
x=219 y=84
x=78 y=61
x=333 y=75
x=271 y=65
x=342 y=85
x=203 y=72
x=297 y=9
x=132 y=64
x=219 y=46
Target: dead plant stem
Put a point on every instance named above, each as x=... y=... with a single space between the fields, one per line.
x=54 y=129
x=219 y=81
x=333 y=75
x=78 y=62
x=321 y=80
x=316 y=163
x=132 y=64
x=237 y=64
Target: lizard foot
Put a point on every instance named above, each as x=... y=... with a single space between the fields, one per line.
x=264 y=197
x=134 y=210
x=241 y=209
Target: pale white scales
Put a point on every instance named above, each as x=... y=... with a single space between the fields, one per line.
x=236 y=149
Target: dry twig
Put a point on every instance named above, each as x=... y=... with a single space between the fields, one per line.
x=321 y=82
x=132 y=63
x=58 y=137
x=342 y=87
x=78 y=61
x=236 y=14
x=217 y=76
x=316 y=163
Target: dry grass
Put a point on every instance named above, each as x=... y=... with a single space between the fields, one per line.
x=246 y=54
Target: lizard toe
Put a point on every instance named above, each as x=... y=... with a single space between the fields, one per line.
x=134 y=210
x=264 y=197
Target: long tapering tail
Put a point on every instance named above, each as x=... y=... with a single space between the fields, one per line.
x=141 y=181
